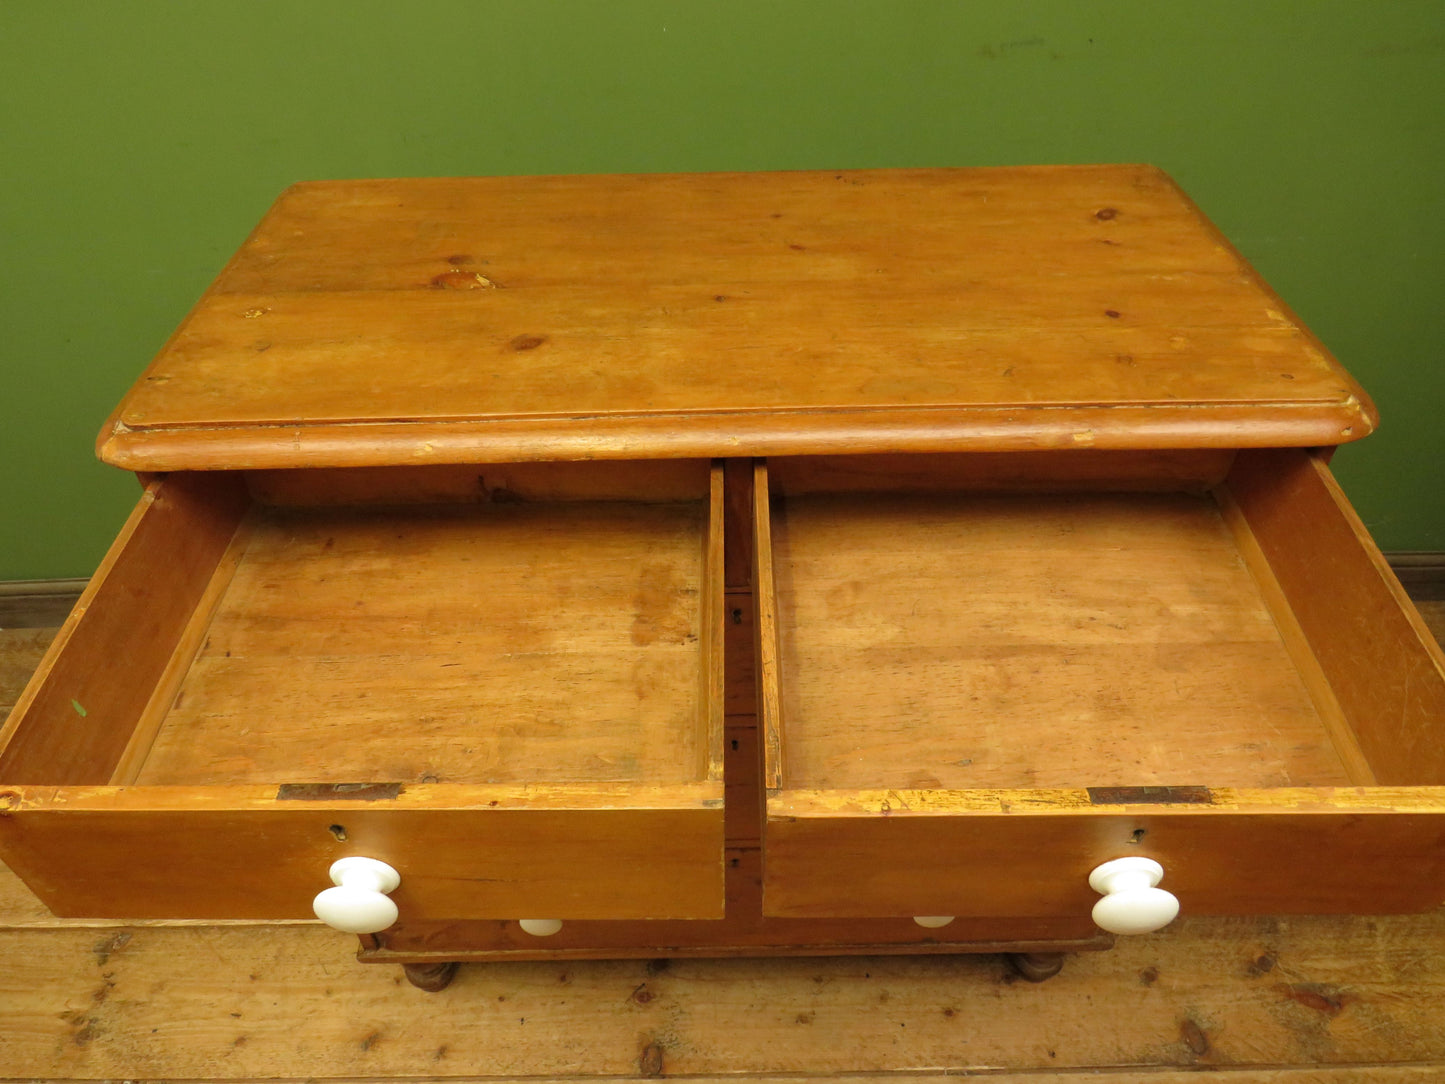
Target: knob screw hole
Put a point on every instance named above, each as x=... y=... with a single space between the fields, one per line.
x=339 y=831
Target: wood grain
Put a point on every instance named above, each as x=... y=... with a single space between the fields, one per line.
x=1270 y=852
x=482 y=483
x=233 y=852
x=566 y=656
x=767 y=652
x=1322 y=694
x=1275 y=1001
x=666 y=315
x=710 y=718
x=935 y=646
x=1340 y=1001
x=183 y=655
x=75 y=718
x=743 y=931
x=738 y=513
x=530 y=642
x=880 y=430
x=1154 y=470
x=1351 y=1074
x=1384 y=666
x=614 y=318
x=969 y=640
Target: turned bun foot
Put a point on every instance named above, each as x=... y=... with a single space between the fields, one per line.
x=1036 y=966
x=430 y=977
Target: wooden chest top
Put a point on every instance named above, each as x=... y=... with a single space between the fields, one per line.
x=490 y=319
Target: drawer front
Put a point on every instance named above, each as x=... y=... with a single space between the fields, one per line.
x=1235 y=859
x=151 y=852
x=524 y=662
x=977 y=687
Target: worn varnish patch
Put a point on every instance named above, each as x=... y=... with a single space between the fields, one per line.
x=462 y=280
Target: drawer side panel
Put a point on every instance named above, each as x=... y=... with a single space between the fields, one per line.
x=1382 y=663
x=82 y=705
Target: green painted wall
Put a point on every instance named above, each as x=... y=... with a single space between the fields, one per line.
x=139 y=141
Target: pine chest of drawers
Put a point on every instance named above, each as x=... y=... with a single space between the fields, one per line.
x=735 y=563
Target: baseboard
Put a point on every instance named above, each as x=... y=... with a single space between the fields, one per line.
x=1422 y=573
x=37 y=604
x=28 y=604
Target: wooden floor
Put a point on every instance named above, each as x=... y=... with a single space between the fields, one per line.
x=1315 y=1000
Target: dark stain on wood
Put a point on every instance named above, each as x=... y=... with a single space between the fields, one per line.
x=99 y=995
x=650 y=1061
x=321 y=792
x=1322 y=998
x=1262 y=964
x=84 y=1028
x=642 y=995
x=527 y=342
x=1194 y=1037
x=108 y=945
x=1150 y=796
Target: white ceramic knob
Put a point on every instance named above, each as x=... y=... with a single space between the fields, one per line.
x=359 y=903
x=932 y=922
x=540 y=927
x=1131 y=903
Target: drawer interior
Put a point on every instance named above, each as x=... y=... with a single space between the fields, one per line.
x=545 y=624
x=1028 y=622
x=1038 y=640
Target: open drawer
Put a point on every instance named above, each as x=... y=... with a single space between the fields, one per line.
x=984 y=676
x=504 y=681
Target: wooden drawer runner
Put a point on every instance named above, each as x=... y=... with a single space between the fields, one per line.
x=983 y=676
x=504 y=681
